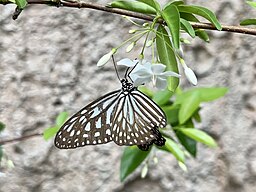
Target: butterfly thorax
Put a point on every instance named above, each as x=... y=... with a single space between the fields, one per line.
x=126 y=86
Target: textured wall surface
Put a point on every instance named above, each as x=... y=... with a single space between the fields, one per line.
x=48 y=64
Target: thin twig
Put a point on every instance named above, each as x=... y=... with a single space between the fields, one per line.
x=76 y=4
x=20 y=138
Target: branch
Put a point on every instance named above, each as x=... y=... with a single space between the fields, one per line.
x=76 y=4
x=20 y=138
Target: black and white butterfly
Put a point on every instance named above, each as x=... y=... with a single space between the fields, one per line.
x=125 y=116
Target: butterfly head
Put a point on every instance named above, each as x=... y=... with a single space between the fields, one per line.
x=126 y=85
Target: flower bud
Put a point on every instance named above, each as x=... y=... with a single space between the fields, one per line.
x=130 y=47
x=190 y=75
x=104 y=59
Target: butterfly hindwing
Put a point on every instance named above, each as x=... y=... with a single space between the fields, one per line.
x=135 y=118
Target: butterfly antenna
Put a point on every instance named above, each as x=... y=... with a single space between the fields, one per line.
x=128 y=74
x=115 y=68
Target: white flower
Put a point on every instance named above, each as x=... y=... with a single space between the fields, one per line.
x=104 y=59
x=145 y=72
x=127 y=62
x=189 y=73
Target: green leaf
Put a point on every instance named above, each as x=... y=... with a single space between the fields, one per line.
x=131 y=159
x=202 y=35
x=172 y=114
x=189 y=107
x=202 y=11
x=50 y=132
x=188 y=143
x=167 y=56
x=162 y=97
x=196 y=116
x=199 y=136
x=133 y=6
x=2 y=126
x=21 y=3
x=191 y=99
x=172 y=17
x=251 y=3
x=210 y=94
x=248 y=22
x=146 y=91
x=175 y=2
x=199 y=32
x=173 y=147
x=152 y=3
x=187 y=27
x=62 y=117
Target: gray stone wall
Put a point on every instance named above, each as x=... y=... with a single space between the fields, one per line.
x=48 y=64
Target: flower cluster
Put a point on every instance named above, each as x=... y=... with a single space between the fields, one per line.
x=145 y=72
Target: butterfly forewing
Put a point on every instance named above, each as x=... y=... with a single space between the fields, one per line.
x=91 y=125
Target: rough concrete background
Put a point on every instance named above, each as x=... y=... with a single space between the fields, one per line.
x=48 y=64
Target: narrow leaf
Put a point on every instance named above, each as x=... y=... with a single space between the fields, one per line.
x=202 y=35
x=173 y=147
x=2 y=126
x=189 y=107
x=133 y=6
x=21 y=3
x=172 y=17
x=167 y=56
x=172 y=114
x=152 y=3
x=202 y=11
x=131 y=159
x=162 y=97
x=199 y=136
x=62 y=117
x=50 y=132
x=187 y=27
x=210 y=94
x=198 y=32
x=175 y=2
x=188 y=143
x=146 y=91
x=251 y=3
x=248 y=22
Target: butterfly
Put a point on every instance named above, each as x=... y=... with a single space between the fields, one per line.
x=126 y=116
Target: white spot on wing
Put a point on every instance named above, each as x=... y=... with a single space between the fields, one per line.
x=72 y=133
x=88 y=127
x=108 y=132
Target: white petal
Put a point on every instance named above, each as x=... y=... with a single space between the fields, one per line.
x=170 y=73
x=190 y=75
x=141 y=70
x=126 y=62
x=139 y=81
x=161 y=83
x=157 y=69
x=104 y=59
